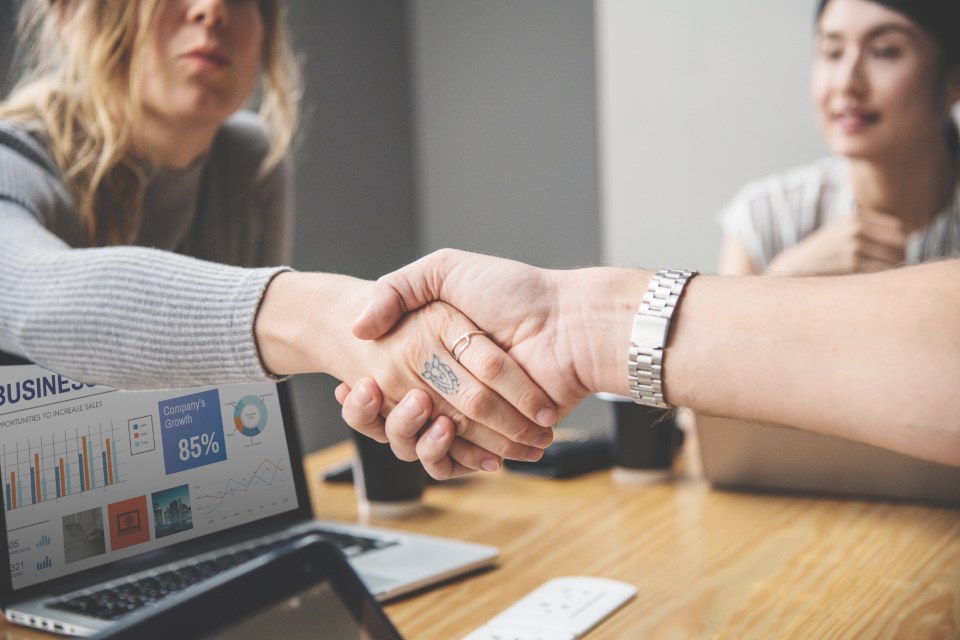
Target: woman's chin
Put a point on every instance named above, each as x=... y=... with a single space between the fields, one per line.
x=855 y=150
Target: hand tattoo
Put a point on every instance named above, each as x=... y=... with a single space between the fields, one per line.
x=441 y=376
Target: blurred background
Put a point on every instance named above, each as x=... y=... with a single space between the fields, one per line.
x=563 y=133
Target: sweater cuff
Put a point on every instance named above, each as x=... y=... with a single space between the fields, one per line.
x=250 y=292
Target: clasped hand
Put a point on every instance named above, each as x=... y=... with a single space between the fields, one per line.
x=523 y=310
x=860 y=242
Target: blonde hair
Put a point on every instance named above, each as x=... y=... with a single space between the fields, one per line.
x=79 y=89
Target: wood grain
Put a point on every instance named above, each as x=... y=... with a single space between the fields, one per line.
x=706 y=563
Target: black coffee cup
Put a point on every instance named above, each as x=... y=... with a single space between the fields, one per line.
x=645 y=440
x=386 y=486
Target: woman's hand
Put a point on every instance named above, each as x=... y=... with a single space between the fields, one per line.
x=863 y=241
x=303 y=325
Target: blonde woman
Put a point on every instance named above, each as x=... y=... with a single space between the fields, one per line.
x=143 y=213
x=885 y=79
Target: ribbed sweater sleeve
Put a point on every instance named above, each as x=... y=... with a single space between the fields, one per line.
x=128 y=317
x=144 y=316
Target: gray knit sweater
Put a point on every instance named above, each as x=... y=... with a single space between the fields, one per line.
x=175 y=310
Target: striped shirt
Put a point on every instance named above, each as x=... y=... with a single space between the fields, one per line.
x=773 y=214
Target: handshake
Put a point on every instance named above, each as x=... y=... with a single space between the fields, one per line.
x=461 y=360
x=537 y=342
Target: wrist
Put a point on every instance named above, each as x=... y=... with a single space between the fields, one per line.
x=602 y=303
x=304 y=321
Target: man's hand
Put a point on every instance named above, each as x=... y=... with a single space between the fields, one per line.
x=517 y=305
x=558 y=325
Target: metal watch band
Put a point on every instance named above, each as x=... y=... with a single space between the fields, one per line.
x=648 y=338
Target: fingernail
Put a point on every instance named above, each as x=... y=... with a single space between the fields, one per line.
x=436 y=433
x=547 y=417
x=490 y=465
x=532 y=455
x=544 y=440
x=410 y=408
x=361 y=396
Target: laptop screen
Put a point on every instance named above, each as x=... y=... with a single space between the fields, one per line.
x=90 y=475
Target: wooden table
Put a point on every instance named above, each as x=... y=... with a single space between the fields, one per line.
x=706 y=563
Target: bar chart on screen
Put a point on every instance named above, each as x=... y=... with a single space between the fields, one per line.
x=58 y=465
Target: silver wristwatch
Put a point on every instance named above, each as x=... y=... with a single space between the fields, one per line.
x=651 y=327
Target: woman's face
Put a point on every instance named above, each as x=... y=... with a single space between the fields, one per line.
x=202 y=60
x=877 y=83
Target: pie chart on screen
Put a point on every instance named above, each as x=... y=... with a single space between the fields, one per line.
x=250 y=415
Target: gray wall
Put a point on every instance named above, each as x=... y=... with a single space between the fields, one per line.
x=696 y=98
x=433 y=123
x=506 y=128
x=356 y=210
x=506 y=141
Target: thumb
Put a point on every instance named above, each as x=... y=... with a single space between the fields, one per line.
x=384 y=310
x=415 y=285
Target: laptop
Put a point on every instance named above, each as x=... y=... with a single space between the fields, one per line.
x=755 y=455
x=313 y=594
x=113 y=500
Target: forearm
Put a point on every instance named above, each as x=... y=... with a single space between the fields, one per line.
x=874 y=358
x=597 y=307
x=127 y=317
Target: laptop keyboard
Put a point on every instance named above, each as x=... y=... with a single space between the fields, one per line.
x=120 y=599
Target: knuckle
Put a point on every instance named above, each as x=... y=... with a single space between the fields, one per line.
x=438 y=465
x=467 y=456
x=350 y=417
x=475 y=401
x=466 y=429
x=489 y=364
x=401 y=446
x=520 y=431
x=403 y=453
x=444 y=255
x=374 y=432
x=399 y=432
x=528 y=398
x=507 y=449
x=439 y=471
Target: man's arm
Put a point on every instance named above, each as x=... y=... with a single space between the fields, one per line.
x=874 y=357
